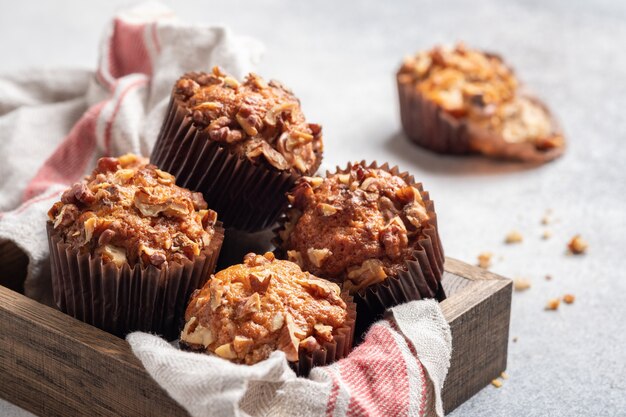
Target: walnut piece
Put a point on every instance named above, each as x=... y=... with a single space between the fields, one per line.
x=317 y=256
x=553 y=304
x=484 y=259
x=521 y=284
x=569 y=298
x=577 y=245
x=513 y=237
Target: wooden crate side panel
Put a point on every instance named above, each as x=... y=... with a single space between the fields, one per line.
x=64 y=367
x=480 y=341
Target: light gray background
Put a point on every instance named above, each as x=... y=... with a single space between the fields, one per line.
x=340 y=60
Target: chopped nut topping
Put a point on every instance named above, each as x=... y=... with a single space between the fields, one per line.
x=130 y=211
x=226 y=351
x=327 y=209
x=199 y=335
x=314 y=181
x=514 y=237
x=309 y=344
x=260 y=120
x=114 y=254
x=484 y=259
x=325 y=332
x=295 y=256
x=577 y=245
x=259 y=281
x=370 y=272
x=296 y=311
x=569 y=298
x=521 y=284
x=252 y=305
x=317 y=256
x=242 y=344
x=553 y=304
x=277 y=322
x=89 y=226
x=355 y=216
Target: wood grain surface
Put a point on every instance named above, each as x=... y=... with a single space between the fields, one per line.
x=54 y=365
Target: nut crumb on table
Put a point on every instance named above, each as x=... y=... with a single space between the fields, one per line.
x=484 y=259
x=521 y=284
x=569 y=298
x=553 y=304
x=513 y=237
x=577 y=245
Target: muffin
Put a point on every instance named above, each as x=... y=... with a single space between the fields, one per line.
x=128 y=247
x=247 y=311
x=458 y=100
x=372 y=229
x=243 y=145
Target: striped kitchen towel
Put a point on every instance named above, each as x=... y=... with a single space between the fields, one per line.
x=398 y=370
x=54 y=124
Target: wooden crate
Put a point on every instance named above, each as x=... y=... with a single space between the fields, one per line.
x=54 y=365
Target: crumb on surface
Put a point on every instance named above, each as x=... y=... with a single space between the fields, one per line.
x=577 y=245
x=569 y=298
x=513 y=237
x=521 y=284
x=547 y=234
x=504 y=375
x=496 y=383
x=484 y=259
x=553 y=304
x=548 y=277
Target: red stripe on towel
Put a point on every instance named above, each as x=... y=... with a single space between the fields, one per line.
x=376 y=376
x=69 y=160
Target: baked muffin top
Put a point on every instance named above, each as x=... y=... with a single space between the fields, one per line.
x=355 y=227
x=260 y=120
x=245 y=312
x=129 y=211
x=471 y=84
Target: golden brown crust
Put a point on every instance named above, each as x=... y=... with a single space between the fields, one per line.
x=249 y=310
x=260 y=120
x=480 y=89
x=128 y=211
x=356 y=227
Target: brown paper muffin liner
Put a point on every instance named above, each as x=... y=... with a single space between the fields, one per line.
x=247 y=196
x=429 y=126
x=123 y=299
x=421 y=277
x=338 y=348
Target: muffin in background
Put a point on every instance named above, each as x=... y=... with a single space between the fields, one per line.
x=243 y=145
x=247 y=311
x=128 y=247
x=459 y=100
x=372 y=229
